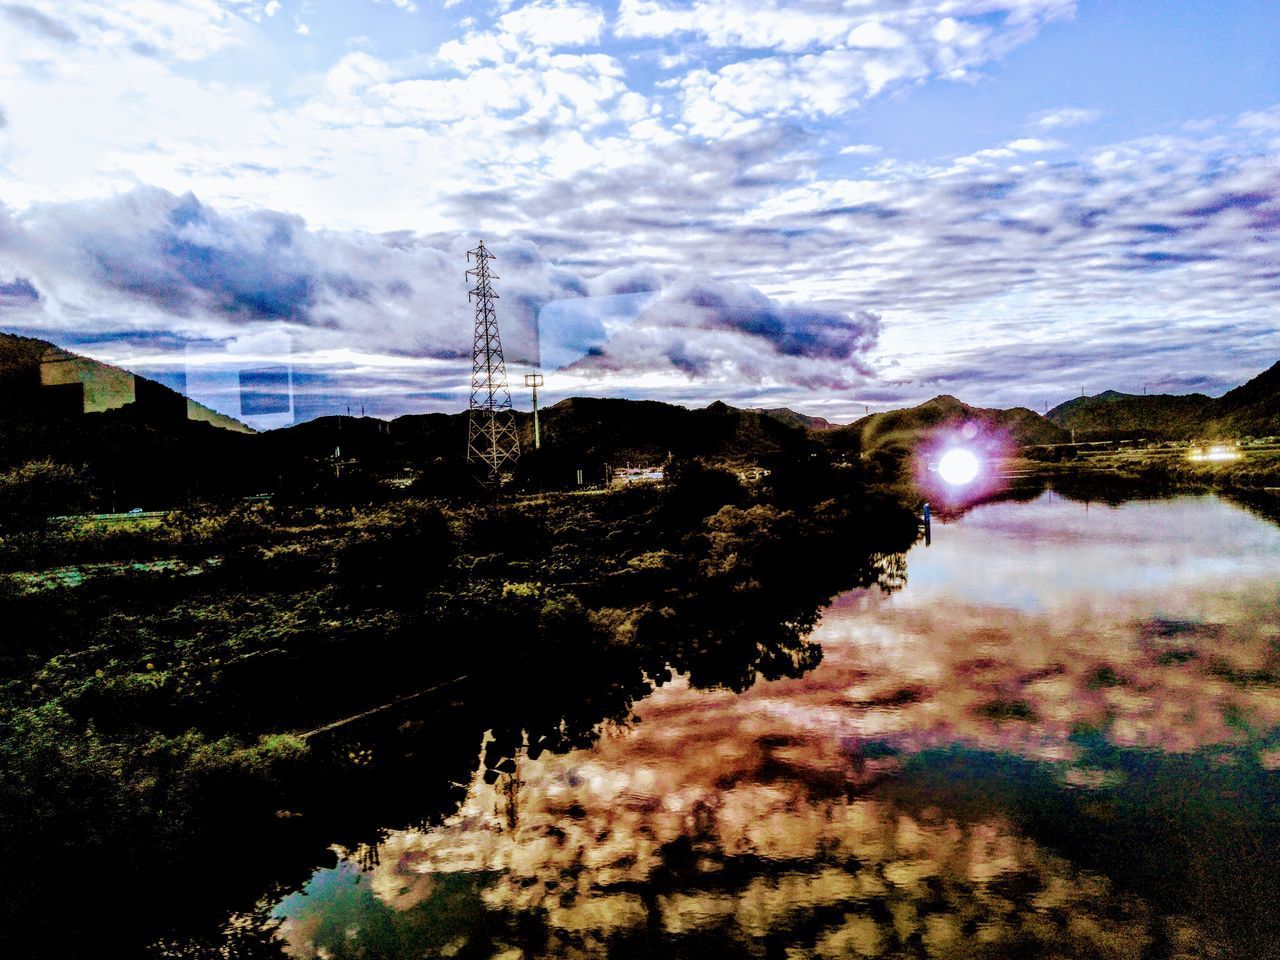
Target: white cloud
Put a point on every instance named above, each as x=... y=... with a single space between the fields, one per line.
x=1065 y=117
x=558 y=23
x=1034 y=145
x=828 y=58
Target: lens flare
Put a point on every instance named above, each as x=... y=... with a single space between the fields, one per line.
x=958 y=467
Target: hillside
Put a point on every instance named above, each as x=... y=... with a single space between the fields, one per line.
x=146 y=445
x=909 y=426
x=141 y=443
x=1252 y=409
x=43 y=381
x=586 y=433
x=793 y=418
x=646 y=431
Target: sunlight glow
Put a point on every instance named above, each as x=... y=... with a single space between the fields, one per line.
x=1215 y=454
x=958 y=467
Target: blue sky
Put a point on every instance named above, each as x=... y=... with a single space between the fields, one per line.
x=830 y=205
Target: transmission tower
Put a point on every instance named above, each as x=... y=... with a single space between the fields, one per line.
x=491 y=430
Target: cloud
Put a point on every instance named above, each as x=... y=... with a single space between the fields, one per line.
x=41 y=23
x=990 y=274
x=826 y=59
x=732 y=334
x=622 y=159
x=18 y=290
x=149 y=268
x=554 y=24
x=1064 y=117
x=183 y=30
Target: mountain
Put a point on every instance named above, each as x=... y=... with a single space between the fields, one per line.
x=794 y=419
x=43 y=381
x=586 y=432
x=141 y=443
x=1252 y=409
x=907 y=427
x=646 y=431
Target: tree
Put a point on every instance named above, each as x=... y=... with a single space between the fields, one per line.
x=35 y=491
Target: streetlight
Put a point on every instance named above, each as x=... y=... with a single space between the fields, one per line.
x=534 y=380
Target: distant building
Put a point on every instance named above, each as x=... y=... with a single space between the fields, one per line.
x=623 y=476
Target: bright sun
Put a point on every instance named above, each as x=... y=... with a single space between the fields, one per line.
x=958 y=467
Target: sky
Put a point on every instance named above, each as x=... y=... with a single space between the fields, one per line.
x=833 y=206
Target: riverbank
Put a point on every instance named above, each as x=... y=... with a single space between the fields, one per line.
x=1249 y=467
x=154 y=708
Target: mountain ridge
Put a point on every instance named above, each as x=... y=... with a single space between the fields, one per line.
x=138 y=441
x=1251 y=409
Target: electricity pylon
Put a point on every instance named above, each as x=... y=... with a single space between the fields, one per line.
x=492 y=439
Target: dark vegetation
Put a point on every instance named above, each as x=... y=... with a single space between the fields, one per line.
x=1252 y=409
x=159 y=676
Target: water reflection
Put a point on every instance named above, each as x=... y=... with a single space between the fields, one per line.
x=1058 y=740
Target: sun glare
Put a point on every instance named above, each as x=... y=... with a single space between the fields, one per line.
x=1218 y=453
x=958 y=467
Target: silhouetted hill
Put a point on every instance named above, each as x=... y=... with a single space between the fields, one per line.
x=588 y=430
x=43 y=381
x=909 y=426
x=142 y=444
x=646 y=431
x=795 y=419
x=1252 y=409
x=146 y=445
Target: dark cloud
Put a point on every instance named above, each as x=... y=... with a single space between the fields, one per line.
x=638 y=278
x=38 y=22
x=19 y=290
x=190 y=257
x=728 y=333
x=791 y=331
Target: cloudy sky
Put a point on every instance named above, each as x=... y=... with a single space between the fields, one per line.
x=830 y=205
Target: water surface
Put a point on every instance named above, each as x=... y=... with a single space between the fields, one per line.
x=1058 y=738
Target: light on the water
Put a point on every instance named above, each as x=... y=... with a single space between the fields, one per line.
x=1218 y=453
x=958 y=466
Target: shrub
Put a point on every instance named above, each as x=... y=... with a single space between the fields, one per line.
x=32 y=492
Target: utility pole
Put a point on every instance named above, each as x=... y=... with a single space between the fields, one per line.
x=535 y=380
x=491 y=429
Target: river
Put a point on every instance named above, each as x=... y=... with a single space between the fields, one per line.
x=1056 y=735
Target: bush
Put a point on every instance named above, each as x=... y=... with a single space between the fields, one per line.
x=32 y=493
x=695 y=490
x=407 y=551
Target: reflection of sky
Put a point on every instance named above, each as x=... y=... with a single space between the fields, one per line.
x=249 y=378
x=570 y=329
x=1060 y=552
